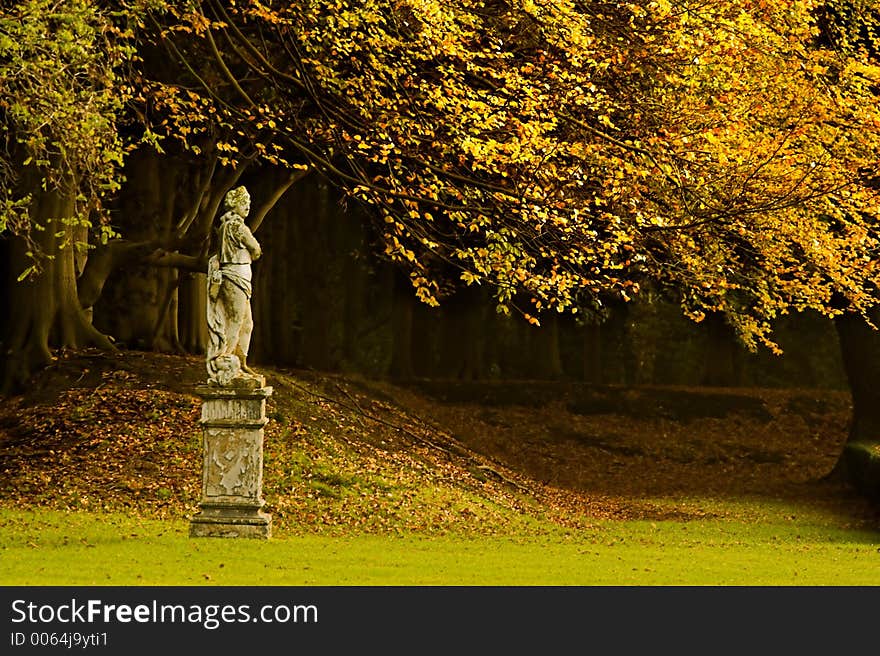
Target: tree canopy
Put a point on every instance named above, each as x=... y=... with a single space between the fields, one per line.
x=59 y=109
x=566 y=149
x=558 y=151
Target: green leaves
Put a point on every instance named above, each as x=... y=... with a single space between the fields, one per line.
x=61 y=102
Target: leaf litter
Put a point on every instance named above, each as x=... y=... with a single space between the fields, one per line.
x=119 y=432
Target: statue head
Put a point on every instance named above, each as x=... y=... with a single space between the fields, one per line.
x=238 y=200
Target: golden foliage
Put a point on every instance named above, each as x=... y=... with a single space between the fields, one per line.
x=563 y=150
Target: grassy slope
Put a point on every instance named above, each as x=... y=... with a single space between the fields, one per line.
x=373 y=484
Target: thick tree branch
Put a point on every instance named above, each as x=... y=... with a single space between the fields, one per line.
x=198 y=201
x=163 y=258
x=257 y=218
x=102 y=262
x=210 y=209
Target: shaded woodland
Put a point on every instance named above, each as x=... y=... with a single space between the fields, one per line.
x=323 y=300
x=624 y=194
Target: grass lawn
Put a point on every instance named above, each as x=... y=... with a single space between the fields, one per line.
x=45 y=547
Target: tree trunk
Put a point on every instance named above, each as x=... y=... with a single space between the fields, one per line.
x=355 y=282
x=548 y=360
x=592 y=336
x=402 y=305
x=7 y=280
x=860 y=351
x=620 y=364
x=721 y=367
x=462 y=334
x=144 y=300
x=131 y=301
x=192 y=310
x=318 y=271
x=277 y=297
x=45 y=311
x=426 y=335
x=474 y=335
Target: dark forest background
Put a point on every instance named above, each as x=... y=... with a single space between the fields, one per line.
x=324 y=301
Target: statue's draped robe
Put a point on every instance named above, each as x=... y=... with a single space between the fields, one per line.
x=229 y=294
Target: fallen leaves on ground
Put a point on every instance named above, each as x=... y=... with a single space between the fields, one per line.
x=344 y=453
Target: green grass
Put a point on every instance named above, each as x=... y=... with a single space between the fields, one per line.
x=55 y=548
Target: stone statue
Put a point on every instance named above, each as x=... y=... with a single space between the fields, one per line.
x=230 y=322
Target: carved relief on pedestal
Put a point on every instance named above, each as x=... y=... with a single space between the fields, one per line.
x=232 y=468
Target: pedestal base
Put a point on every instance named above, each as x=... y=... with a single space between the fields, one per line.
x=230 y=523
x=232 y=468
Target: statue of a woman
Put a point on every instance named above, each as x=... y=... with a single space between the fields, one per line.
x=230 y=322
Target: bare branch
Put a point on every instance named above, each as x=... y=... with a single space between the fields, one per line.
x=190 y=216
x=265 y=208
x=163 y=258
x=209 y=211
x=223 y=67
x=255 y=52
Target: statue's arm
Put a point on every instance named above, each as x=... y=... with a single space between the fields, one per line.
x=250 y=242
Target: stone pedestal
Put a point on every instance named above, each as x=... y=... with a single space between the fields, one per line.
x=232 y=422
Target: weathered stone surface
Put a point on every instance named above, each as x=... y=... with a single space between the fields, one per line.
x=230 y=321
x=234 y=398
x=234 y=405
x=230 y=522
x=232 y=468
